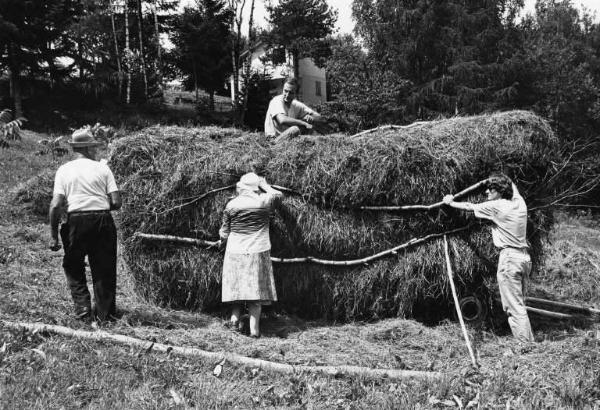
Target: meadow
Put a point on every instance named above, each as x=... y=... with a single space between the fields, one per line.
x=41 y=370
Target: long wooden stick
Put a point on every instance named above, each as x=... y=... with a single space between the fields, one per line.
x=548 y=313
x=177 y=239
x=457 y=304
x=392 y=127
x=578 y=308
x=423 y=207
x=219 y=356
x=311 y=259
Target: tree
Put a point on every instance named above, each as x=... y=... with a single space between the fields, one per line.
x=460 y=55
x=363 y=93
x=301 y=26
x=202 y=54
x=32 y=38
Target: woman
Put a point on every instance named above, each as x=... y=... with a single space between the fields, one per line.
x=247 y=269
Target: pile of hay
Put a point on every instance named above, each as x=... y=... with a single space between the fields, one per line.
x=36 y=193
x=165 y=172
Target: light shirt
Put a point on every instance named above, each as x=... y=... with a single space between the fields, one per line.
x=85 y=184
x=296 y=109
x=510 y=220
x=245 y=222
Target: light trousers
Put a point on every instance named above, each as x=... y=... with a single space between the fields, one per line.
x=514 y=267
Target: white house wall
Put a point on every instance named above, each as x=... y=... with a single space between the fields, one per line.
x=309 y=74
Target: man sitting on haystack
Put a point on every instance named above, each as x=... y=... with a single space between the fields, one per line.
x=287 y=117
x=506 y=208
x=87 y=189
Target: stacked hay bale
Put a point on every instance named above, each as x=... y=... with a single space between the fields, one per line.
x=171 y=178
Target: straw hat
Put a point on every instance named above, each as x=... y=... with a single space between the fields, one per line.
x=249 y=181
x=83 y=138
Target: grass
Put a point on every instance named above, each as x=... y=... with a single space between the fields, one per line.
x=43 y=371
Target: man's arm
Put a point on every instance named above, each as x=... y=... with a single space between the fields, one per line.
x=56 y=207
x=283 y=119
x=516 y=194
x=465 y=206
x=114 y=198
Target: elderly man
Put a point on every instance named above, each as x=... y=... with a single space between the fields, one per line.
x=507 y=210
x=288 y=117
x=87 y=189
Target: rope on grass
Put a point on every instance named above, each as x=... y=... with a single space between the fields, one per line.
x=311 y=259
x=266 y=365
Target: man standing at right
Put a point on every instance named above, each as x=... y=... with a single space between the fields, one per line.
x=507 y=210
x=288 y=117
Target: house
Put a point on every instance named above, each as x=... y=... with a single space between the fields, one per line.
x=312 y=81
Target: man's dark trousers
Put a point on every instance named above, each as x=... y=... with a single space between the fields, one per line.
x=92 y=234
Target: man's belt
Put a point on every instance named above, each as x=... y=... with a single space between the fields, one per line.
x=95 y=212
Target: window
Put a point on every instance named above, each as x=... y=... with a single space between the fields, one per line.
x=318 y=88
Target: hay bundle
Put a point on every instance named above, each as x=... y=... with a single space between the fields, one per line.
x=171 y=178
x=36 y=193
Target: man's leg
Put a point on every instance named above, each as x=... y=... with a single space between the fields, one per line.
x=291 y=132
x=102 y=255
x=512 y=269
x=74 y=266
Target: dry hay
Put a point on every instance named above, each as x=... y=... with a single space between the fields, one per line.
x=165 y=172
x=36 y=193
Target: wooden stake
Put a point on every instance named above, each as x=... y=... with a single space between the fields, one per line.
x=457 y=304
x=229 y=357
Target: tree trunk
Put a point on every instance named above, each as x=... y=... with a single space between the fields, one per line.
x=158 y=62
x=247 y=65
x=117 y=54
x=236 y=39
x=141 y=38
x=211 y=100
x=195 y=79
x=127 y=53
x=15 y=83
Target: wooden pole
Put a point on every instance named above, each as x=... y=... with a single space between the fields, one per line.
x=457 y=304
x=220 y=356
x=578 y=308
x=307 y=259
x=548 y=313
x=424 y=207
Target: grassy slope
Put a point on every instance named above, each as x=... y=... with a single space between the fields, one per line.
x=45 y=371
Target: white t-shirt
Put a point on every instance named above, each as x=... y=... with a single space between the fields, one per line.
x=510 y=220
x=297 y=110
x=85 y=184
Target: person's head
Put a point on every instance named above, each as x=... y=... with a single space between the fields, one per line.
x=83 y=142
x=248 y=182
x=499 y=186
x=289 y=90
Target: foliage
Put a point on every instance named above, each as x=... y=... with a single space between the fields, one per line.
x=10 y=129
x=364 y=93
x=458 y=55
x=203 y=53
x=301 y=27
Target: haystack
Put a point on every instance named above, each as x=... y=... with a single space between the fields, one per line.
x=172 y=179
